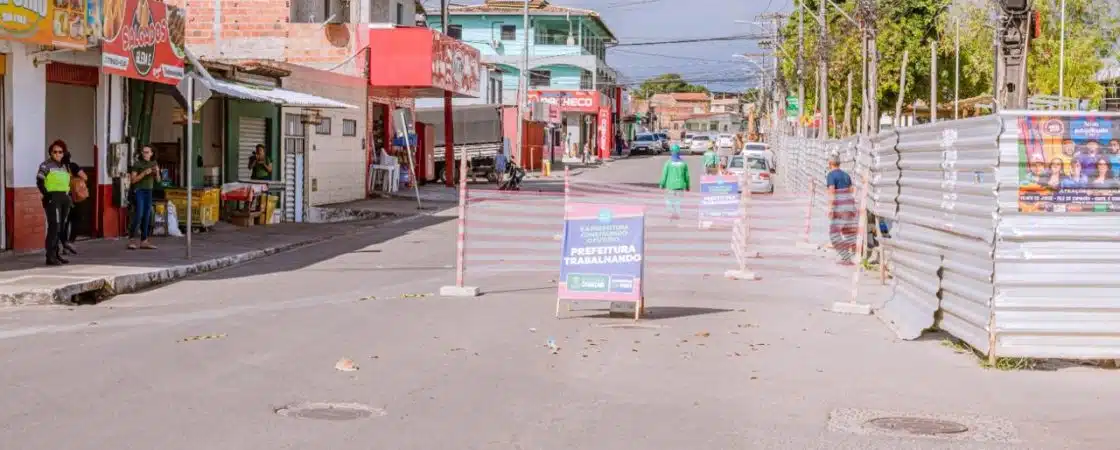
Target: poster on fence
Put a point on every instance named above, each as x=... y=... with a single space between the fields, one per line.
x=719 y=200
x=603 y=249
x=1069 y=164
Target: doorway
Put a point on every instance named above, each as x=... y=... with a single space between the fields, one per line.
x=71 y=105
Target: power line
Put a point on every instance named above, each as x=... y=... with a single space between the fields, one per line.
x=736 y=37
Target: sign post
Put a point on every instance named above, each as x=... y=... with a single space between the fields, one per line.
x=719 y=201
x=603 y=254
x=793 y=107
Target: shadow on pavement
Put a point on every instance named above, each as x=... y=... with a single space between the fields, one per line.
x=659 y=312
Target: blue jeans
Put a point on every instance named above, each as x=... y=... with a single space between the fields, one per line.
x=141 y=214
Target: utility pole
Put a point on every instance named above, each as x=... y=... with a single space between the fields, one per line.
x=1012 y=42
x=822 y=69
x=932 y=81
x=869 y=19
x=522 y=85
x=800 y=59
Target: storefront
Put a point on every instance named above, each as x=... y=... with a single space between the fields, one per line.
x=408 y=63
x=33 y=85
x=579 y=115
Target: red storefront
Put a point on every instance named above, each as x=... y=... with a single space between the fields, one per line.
x=587 y=105
x=406 y=63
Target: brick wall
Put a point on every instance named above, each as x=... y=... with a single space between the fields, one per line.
x=27 y=224
x=249 y=29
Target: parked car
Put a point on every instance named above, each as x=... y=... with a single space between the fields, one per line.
x=664 y=138
x=725 y=141
x=761 y=150
x=700 y=144
x=646 y=143
x=686 y=143
x=754 y=170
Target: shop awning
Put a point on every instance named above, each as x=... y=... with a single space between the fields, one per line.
x=272 y=95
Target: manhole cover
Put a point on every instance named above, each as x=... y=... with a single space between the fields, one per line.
x=329 y=411
x=917 y=425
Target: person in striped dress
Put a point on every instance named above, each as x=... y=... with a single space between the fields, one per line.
x=843 y=214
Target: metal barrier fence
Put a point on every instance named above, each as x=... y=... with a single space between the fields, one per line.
x=972 y=250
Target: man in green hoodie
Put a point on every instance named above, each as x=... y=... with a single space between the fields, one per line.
x=674 y=179
x=711 y=162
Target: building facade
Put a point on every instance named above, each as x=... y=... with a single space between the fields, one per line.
x=566 y=62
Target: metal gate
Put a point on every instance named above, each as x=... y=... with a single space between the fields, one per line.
x=252 y=131
x=295 y=146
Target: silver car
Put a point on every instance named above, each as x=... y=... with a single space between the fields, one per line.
x=756 y=171
x=700 y=144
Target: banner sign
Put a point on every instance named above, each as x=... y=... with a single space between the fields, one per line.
x=603 y=250
x=719 y=199
x=1069 y=164
x=568 y=101
x=60 y=23
x=603 y=131
x=144 y=40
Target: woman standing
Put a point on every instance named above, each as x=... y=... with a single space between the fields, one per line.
x=79 y=192
x=143 y=176
x=53 y=181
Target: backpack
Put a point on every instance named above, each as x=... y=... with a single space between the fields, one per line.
x=78 y=189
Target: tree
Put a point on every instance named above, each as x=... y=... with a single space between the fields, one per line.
x=668 y=83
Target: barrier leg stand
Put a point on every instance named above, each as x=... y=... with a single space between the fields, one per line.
x=740 y=235
x=567 y=196
x=807 y=240
x=853 y=306
x=459 y=289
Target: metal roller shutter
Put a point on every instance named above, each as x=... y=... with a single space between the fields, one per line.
x=252 y=131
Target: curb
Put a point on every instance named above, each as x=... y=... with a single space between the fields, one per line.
x=102 y=289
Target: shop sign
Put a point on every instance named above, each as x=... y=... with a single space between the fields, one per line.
x=143 y=39
x=61 y=23
x=455 y=66
x=604 y=132
x=568 y=101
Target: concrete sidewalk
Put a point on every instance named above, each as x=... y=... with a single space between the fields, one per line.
x=104 y=268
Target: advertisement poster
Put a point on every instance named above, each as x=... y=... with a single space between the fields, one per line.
x=144 y=40
x=719 y=199
x=604 y=133
x=1069 y=164
x=455 y=66
x=60 y=23
x=603 y=250
x=568 y=101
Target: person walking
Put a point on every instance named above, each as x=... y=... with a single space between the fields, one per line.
x=674 y=179
x=501 y=163
x=53 y=181
x=711 y=161
x=843 y=214
x=143 y=176
x=79 y=192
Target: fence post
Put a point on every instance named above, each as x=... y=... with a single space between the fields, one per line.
x=809 y=211
x=460 y=289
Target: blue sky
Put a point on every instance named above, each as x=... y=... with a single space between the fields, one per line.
x=658 y=20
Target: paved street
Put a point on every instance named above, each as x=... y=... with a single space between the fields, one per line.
x=204 y=363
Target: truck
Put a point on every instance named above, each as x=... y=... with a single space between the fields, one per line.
x=478 y=135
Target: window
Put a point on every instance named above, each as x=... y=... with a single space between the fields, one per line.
x=400 y=13
x=455 y=31
x=323 y=127
x=349 y=127
x=509 y=32
x=540 y=78
x=293 y=125
x=586 y=82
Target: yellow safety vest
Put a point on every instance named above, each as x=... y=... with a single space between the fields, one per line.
x=57 y=180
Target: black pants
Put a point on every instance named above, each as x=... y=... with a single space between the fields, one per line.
x=57 y=208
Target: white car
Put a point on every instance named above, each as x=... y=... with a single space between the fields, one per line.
x=757 y=173
x=761 y=150
x=725 y=141
x=700 y=144
x=686 y=143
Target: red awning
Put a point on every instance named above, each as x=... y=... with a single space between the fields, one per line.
x=418 y=62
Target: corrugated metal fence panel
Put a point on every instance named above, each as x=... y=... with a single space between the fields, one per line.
x=1057 y=293
x=251 y=131
x=883 y=159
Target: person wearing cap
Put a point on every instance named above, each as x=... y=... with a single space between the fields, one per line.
x=843 y=213
x=674 y=179
x=53 y=181
x=1036 y=171
x=711 y=161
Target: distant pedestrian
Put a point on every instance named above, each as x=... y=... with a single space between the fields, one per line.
x=675 y=181
x=711 y=161
x=79 y=192
x=585 y=157
x=53 y=181
x=501 y=163
x=143 y=176
x=843 y=214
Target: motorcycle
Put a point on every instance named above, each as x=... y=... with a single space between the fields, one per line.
x=514 y=176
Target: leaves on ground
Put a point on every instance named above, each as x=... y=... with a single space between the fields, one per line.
x=202 y=337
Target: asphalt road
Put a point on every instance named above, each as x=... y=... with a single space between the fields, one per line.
x=721 y=364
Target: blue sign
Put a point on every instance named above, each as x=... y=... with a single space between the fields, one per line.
x=719 y=199
x=603 y=250
x=398 y=140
